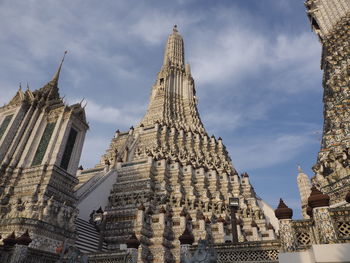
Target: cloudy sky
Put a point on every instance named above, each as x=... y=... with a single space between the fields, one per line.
x=256 y=65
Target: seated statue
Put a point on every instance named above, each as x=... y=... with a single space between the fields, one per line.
x=204 y=254
x=73 y=255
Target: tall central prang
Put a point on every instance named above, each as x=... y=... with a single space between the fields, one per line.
x=166 y=176
x=173 y=98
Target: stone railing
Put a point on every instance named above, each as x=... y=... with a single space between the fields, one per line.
x=133 y=163
x=92 y=184
x=24 y=254
x=5 y=254
x=306 y=234
x=303 y=233
x=39 y=256
x=92 y=170
x=341 y=222
x=114 y=257
x=326 y=226
x=262 y=251
x=31 y=223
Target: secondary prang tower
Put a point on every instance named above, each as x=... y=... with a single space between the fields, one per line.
x=41 y=139
x=170 y=175
x=330 y=19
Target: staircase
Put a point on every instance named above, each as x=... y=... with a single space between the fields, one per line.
x=88 y=237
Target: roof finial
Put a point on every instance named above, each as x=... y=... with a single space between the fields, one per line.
x=20 y=86
x=175 y=28
x=55 y=78
x=299 y=169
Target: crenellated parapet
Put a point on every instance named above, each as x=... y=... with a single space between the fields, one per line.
x=326 y=225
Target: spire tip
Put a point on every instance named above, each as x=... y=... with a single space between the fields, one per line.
x=299 y=168
x=55 y=78
x=175 y=28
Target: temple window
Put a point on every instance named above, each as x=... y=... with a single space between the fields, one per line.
x=44 y=142
x=69 y=148
x=5 y=123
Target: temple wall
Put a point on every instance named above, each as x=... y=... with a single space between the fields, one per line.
x=96 y=195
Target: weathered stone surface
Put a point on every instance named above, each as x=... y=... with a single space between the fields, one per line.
x=171 y=176
x=38 y=162
x=330 y=19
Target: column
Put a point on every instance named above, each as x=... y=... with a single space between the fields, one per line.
x=287 y=234
x=324 y=225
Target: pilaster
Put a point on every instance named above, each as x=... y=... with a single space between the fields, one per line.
x=287 y=235
x=324 y=225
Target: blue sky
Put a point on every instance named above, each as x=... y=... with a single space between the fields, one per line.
x=256 y=65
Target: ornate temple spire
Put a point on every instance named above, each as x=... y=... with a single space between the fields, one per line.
x=50 y=90
x=174 y=49
x=173 y=98
x=304 y=186
x=56 y=76
x=199 y=172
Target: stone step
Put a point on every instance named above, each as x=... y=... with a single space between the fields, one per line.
x=88 y=237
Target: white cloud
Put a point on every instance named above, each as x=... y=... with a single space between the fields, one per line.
x=94 y=148
x=233 y=117
x=266 y=151
x=296 y=60
x=224 y=47
x=95 y=145
x=293 y=48
x=226 y=51
x=224 y=55
x=7 y=92
x=126 y=115
x=233 y=54
x=153 y=26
